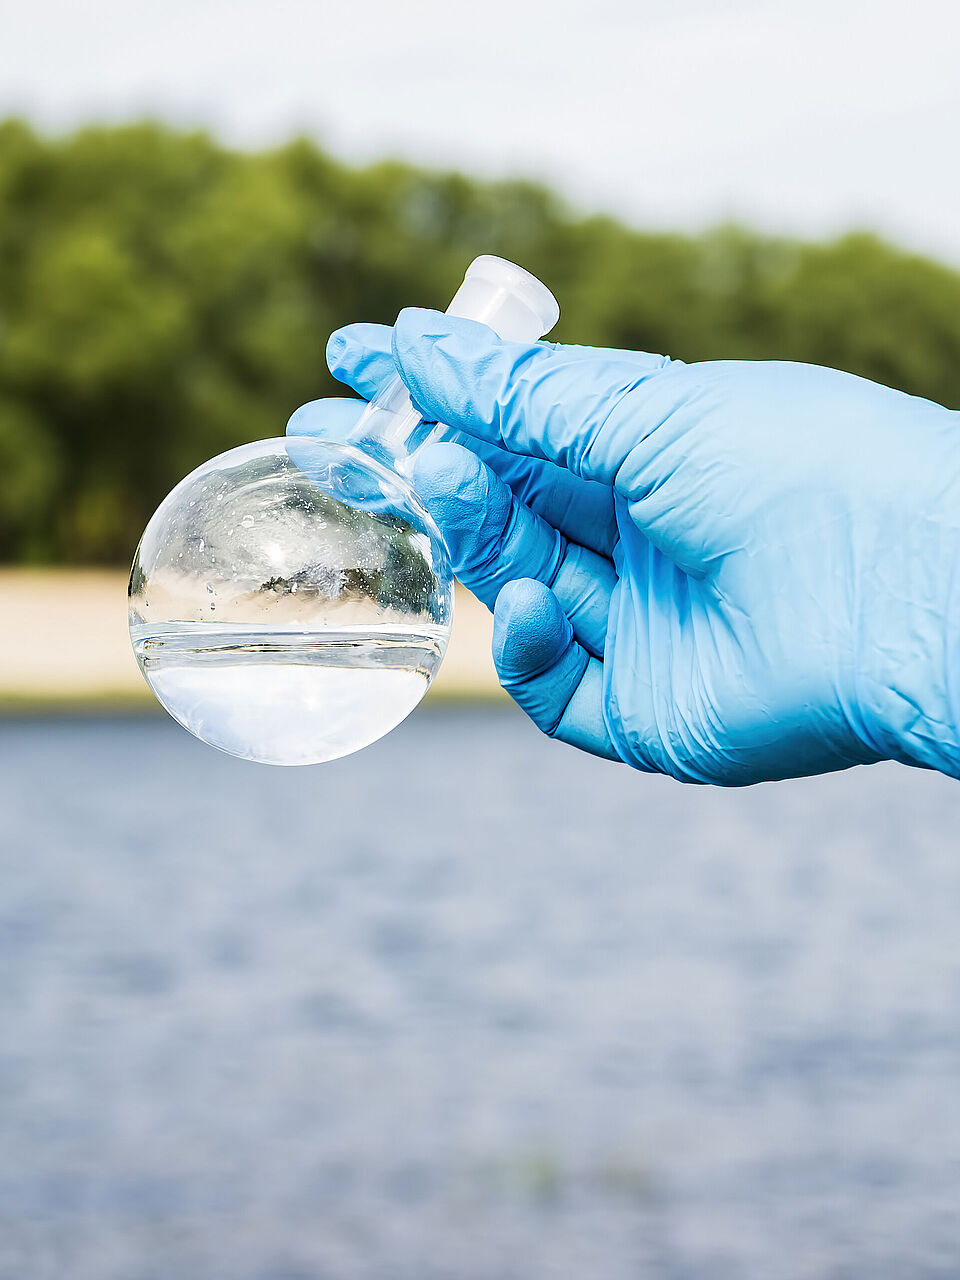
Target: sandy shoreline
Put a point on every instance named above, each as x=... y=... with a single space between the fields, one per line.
x=64 y=643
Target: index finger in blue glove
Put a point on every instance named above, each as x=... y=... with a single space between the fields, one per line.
x=361 y=355
x=537 y=399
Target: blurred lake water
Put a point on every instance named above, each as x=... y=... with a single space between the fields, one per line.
x=470 y=1005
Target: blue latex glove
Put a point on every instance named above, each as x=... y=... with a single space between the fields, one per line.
x=728 y=572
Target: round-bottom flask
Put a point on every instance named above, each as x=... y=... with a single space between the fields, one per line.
x=291 y=600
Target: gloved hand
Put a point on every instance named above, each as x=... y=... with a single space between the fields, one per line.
x=728 y=572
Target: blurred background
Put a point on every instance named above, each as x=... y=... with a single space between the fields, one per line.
x=466 y=1004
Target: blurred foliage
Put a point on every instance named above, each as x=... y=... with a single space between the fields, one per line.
x=163 y=298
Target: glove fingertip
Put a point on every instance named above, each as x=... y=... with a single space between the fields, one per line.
x=331 y=419
x=530 y=631
x=337 y=344
x=304 y=421
x=360 y=355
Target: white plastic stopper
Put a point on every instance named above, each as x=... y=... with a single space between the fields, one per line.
x=515 y=304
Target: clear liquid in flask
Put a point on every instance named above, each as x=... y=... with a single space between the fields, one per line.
x=283 y=696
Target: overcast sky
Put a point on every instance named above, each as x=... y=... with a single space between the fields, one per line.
x=806 y=117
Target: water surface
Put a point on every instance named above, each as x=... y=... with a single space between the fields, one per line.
x=470 y=1005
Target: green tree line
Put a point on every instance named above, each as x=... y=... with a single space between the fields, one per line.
x=163 y=298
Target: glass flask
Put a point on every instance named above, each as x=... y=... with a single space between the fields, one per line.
x=291 y=600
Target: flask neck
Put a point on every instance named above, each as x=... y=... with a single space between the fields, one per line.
x=391 y=429
x=512 y=302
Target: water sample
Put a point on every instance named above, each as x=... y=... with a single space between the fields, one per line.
x=290 y=601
